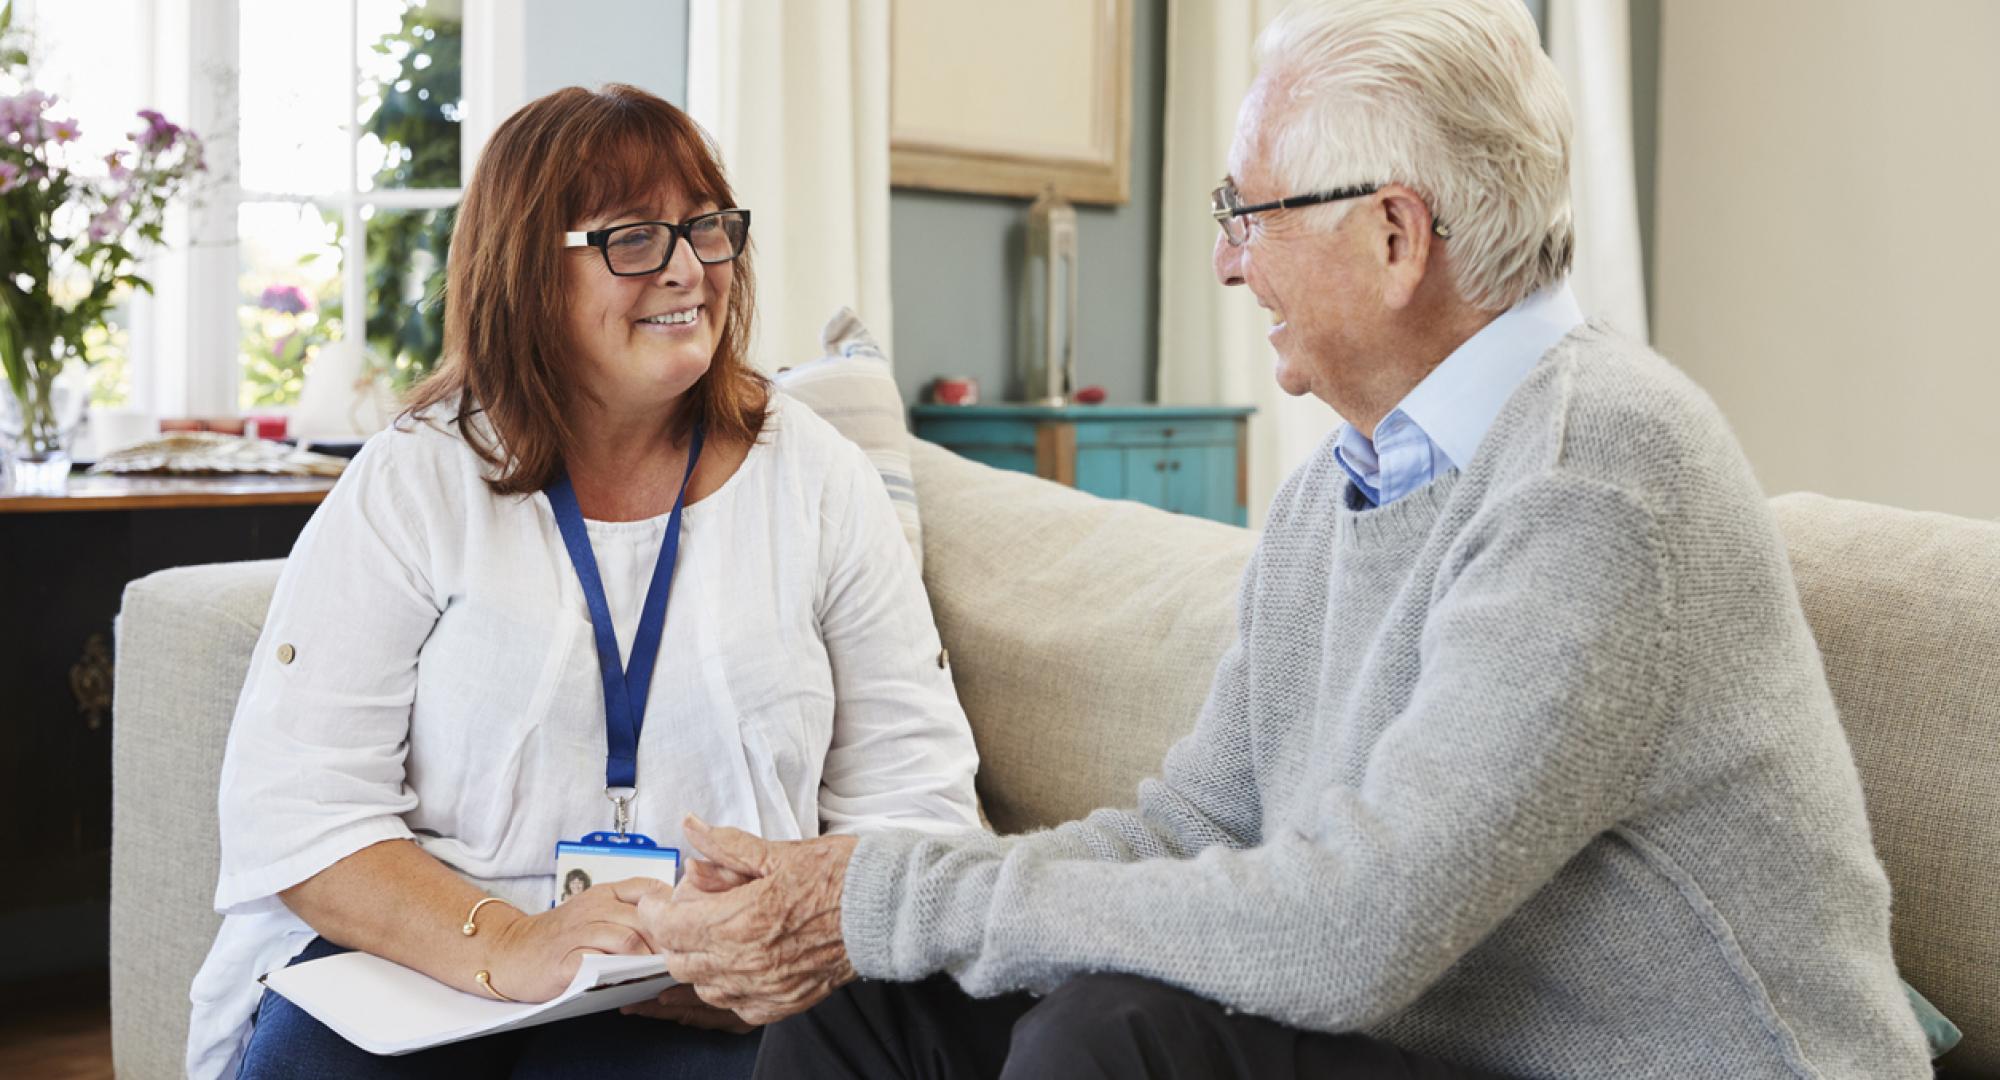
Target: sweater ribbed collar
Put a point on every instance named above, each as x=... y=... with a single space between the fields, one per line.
x=1405 y=521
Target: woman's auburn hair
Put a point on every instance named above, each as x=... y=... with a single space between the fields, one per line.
x=572 y=155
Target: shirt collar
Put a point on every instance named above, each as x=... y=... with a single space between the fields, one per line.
x=1459 y=400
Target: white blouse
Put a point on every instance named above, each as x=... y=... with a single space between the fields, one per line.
x=428 y=672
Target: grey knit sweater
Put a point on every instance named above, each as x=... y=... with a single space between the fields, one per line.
x=1534 y=769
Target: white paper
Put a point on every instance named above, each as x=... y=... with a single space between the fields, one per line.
x=386 y=1008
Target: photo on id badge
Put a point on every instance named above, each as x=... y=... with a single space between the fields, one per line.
x=579 y=865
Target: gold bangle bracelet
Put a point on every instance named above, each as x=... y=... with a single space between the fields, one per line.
x=470 y=928
x=486 y=980
x=483 y=977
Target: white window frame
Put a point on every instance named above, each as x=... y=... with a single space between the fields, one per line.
x=184 y=339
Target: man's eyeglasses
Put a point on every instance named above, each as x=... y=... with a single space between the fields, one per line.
x=1234 y=217
x=645 y=247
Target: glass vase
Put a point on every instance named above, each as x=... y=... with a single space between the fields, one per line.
x=37 y=418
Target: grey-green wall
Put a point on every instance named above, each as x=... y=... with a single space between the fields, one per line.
x=955 y=263
x=575 y=44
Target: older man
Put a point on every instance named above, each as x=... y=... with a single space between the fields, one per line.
x=1522 y=761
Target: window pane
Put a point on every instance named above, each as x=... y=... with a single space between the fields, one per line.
x=293 y=96
x=110 y=350
x=406 y=250
x=288 y=303
x=410 y=99
x=90 y=56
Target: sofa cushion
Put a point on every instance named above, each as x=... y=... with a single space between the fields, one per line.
x=1906 y=609
x=1083 y=632
x=852 y=387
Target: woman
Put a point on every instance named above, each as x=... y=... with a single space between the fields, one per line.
x=448 y=680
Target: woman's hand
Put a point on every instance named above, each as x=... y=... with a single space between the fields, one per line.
x=534 y=957
x=682 y=1006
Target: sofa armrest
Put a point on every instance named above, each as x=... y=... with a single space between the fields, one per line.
x=1905 y=607
x=185 y=637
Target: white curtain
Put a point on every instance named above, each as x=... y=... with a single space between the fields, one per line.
x=797 y=95
x=1212 y=339
x=1591 y=44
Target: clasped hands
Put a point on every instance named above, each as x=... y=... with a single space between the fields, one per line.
x=752 y=932
x=754 y=927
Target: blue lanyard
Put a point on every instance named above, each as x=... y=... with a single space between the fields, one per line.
x=625 y=690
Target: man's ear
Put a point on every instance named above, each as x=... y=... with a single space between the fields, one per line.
x=1405 y=242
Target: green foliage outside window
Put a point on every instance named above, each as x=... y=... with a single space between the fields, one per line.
x=417 y=121
x=279 y=335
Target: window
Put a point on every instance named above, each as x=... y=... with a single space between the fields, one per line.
x=334 y=138
x=349 y=165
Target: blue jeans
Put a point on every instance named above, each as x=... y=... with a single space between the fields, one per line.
x=288 y=1042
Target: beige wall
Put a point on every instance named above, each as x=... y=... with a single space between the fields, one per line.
x=1828 y=256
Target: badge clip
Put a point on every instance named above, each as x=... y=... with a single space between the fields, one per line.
x=621 y=807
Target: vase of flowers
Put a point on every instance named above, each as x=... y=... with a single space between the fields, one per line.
x=71 y=232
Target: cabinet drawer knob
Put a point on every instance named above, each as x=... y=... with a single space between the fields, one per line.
x=1174 y=466
x=1169 y=433
x=1159 y=466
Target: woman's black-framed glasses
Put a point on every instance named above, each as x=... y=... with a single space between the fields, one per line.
x=645 y=247
x=1230 y=213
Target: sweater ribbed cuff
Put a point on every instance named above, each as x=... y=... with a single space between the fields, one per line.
x=869 y=898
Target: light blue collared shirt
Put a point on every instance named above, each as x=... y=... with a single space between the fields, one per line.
x=1439 y=425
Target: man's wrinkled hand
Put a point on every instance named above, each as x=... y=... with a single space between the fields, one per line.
x=760 y=936
x=704 y=876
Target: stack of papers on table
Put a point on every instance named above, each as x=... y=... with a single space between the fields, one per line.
x=386 y=1008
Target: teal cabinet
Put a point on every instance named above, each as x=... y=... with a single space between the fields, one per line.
x=1187 y=459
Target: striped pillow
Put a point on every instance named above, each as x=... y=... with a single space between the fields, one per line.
x=853 y=388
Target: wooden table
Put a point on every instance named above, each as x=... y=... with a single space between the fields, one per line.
x=64 y=564
x=172 y=492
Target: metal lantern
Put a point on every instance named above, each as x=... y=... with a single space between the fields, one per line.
x=1048 y=302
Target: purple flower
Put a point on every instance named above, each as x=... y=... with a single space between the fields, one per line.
x=63 y=131
x=115 y=163
x=10 y=176
x=106 y=223
x=22 y=114
x=285 y=300
x=159 y=135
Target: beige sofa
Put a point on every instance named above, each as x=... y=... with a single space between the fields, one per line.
x=1082 y=635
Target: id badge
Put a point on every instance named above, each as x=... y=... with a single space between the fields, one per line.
x=604 y=857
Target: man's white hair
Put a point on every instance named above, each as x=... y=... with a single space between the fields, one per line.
x=1454 y=99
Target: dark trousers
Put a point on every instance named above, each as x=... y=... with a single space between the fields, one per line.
x=288 y=1042
x=1093 y=1026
